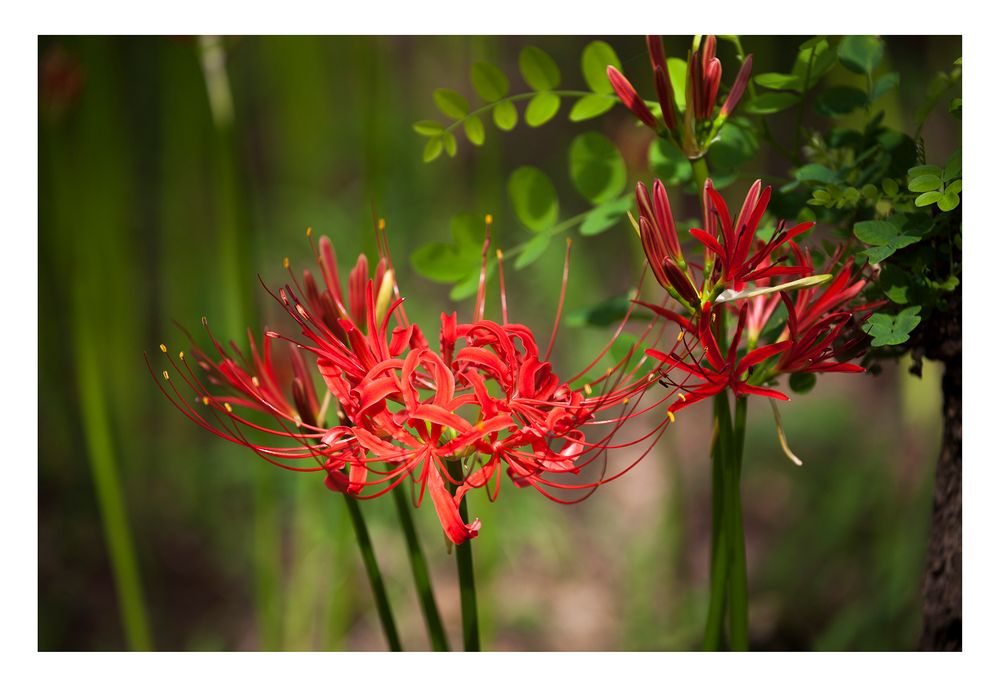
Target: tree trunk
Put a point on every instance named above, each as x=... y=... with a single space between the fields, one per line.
x=943 y=575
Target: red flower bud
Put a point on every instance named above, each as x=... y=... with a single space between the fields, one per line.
x=629 y=97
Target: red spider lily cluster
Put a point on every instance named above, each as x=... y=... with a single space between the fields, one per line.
x=441 y=420
x=694 y=129
x=740 y=279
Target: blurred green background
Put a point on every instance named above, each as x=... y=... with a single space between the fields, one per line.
x=153 y=210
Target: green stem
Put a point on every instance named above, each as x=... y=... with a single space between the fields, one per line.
x=699 y=168
x=739 y=622
x=719 y=565
x=110 y=499
x=524 y=96
x=421 y=575
x=374 y=575
x=466 y=573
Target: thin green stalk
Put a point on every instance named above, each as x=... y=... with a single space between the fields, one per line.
x=739 y=622
x=374 y=574
x=110 y=499
x=720 y=559
x=699 y=168
x=466 y=574
x=421 y=575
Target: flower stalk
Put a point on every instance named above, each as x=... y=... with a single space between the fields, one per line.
x=466 y=573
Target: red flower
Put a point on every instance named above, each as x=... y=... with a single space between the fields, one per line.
x=701 y=124
x=736 y=265
x=719 y=373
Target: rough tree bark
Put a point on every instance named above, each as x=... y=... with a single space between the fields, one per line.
x=943 y=574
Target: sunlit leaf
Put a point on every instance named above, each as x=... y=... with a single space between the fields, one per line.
x=892 y=330
x=433 y=148
x=505 y=115
x=428 y=127
x=474 y=130
x=541 y=108
x=594 y=62
x=538 y=69
x=490 y=83
x=590 y=106
x=605 y=216
x=532 y=250
x=451 y=103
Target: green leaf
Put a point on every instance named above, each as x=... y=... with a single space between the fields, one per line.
x=605 y=216
x=538 y=69
x=433 y=148
x=474 y=130
x=954 y=187
x=929 y=198
x=924 y=182
x=892 y=330
x=890 y=186
x=948 y=202
x=861 y=54
x=451 y=103
x=590 y=106
x=885 y=83
x=821 y=62
x=450 y=262
x=734 y=147
x=533 y=198
x=678 y=70
x=954 y=166
x=594 y=62
x=801 y=382
x=596 y=167
x=490 y=83
x=450 y=144
x=532 y=250
x=669 y=164
x=779 y=82
x=817 y=173
x=875 y=232
x=428 y=127
x=470 y=285
x=769 y=103
x=840 y=100
x=505 y=115
x=885 y=236
x=541 y=108
x=923 y=169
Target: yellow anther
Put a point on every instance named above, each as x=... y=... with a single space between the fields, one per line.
x=587 y=389
x=163 y=348
x=625 y=401
x=489 y=218
x=166 y=375
x=180 y=354
x=680 y=335
x=670 y=415
x=256 y=382
x=309 y=232
x=499 y=254
x=680 y=395
x=285 y=263
x=204 y=399
x=229 y=408
x=381 y=223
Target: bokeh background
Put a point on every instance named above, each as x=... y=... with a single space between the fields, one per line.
x=151 y=210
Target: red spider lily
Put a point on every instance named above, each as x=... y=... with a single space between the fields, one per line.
x=704 y=76
x=720 y=373
x=408 y=414
x=736 y=265
x=817 y=318
x=250 y=384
